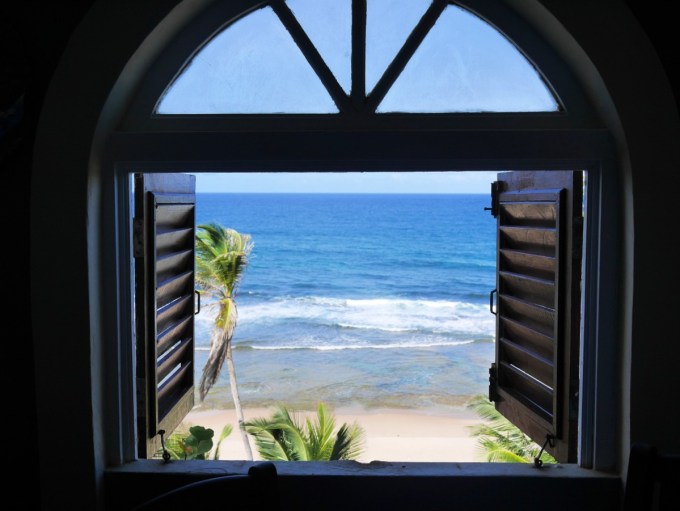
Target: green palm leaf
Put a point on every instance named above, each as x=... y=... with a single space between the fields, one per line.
x=499 y=440
x=282 y=437
x=226 y=431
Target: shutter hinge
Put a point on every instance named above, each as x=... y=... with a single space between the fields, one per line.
x=137 y=238
x=577 y=238
x=573 y=401
x=495 y=192
x=493 y=382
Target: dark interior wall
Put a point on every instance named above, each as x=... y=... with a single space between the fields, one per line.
x=656 y=19
x=34 y=35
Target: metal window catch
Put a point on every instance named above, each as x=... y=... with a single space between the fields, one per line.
x=198 y=296
x=495 y=191
x=549 y=440
x=166 y=454
x=491 y=301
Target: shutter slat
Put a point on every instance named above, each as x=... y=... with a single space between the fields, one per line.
x=181 y=259
x=174 y=286
x=532 y=340
x=534 y=316
x=174 y=311
x=173 y=333
x=173 y=357
x=173 y=215
x=171 y=388
x=528 y=389
x=527 y=288
x=533 y=240
x=533 y=214
x=539 y=266
x=528 y=361
x=173 y=240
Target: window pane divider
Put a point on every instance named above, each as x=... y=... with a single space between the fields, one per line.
x=405 y=53
x=312 y=55
x=359 y=54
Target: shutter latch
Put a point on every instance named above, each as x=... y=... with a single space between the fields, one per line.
x=166 y=454
x=495 y=191
x=493 y=382
x=549 y=440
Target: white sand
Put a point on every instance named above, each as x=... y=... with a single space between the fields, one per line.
x=390 y=435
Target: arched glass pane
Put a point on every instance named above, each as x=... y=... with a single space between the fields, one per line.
x=466 y=65
x=328 y=23
x=388 y=24
x=253 y=66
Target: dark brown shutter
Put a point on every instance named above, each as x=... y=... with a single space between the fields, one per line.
x=164 y=303
x=534 y=381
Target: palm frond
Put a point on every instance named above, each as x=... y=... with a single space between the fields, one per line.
x=320 y=433
x=270 y=443
x=349 y=443
x=496 y=453
x=278 y=437
x=226 y=431
x=283 y=437
x=499 y=440
x=221 y=258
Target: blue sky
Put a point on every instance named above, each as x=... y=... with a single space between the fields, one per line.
x=346 y=182
x=254 y=66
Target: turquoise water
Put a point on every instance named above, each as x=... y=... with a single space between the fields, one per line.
x=358 y=299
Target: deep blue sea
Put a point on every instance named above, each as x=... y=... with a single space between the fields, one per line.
x=376 y=301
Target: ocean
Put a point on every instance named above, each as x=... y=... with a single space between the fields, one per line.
x=358 y=300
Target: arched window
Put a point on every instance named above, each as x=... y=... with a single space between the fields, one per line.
x=374 y=85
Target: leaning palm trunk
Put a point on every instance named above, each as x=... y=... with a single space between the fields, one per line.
x=237 y=402
x=220 y=351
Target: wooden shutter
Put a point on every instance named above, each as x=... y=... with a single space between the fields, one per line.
x=534 y=381
x=164 y=230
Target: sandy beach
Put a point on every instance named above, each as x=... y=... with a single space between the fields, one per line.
x=390 y=435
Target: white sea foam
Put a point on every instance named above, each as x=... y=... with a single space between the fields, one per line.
x=388 y=346
x=331 y=324
x=387 y=314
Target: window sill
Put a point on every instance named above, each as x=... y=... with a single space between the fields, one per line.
x=403 y=485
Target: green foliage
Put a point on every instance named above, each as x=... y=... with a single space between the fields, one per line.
x=195 y=444
x=221 y=258
x=282 y=437
x=499 y=440
x=226 y=431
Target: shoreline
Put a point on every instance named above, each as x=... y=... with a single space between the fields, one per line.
x=408 y=435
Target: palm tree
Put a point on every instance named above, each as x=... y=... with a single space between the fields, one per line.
x=499 y=440
x=221 y=258
x=282 y=437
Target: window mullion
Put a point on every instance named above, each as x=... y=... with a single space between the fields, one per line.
x=312 y=55
x=405 y=53
x=358 y=53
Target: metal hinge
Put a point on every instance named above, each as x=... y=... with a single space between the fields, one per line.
x=137 y=238
x=577 y=238
x=573 y=401
x=495 y=192
x=493 y=382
